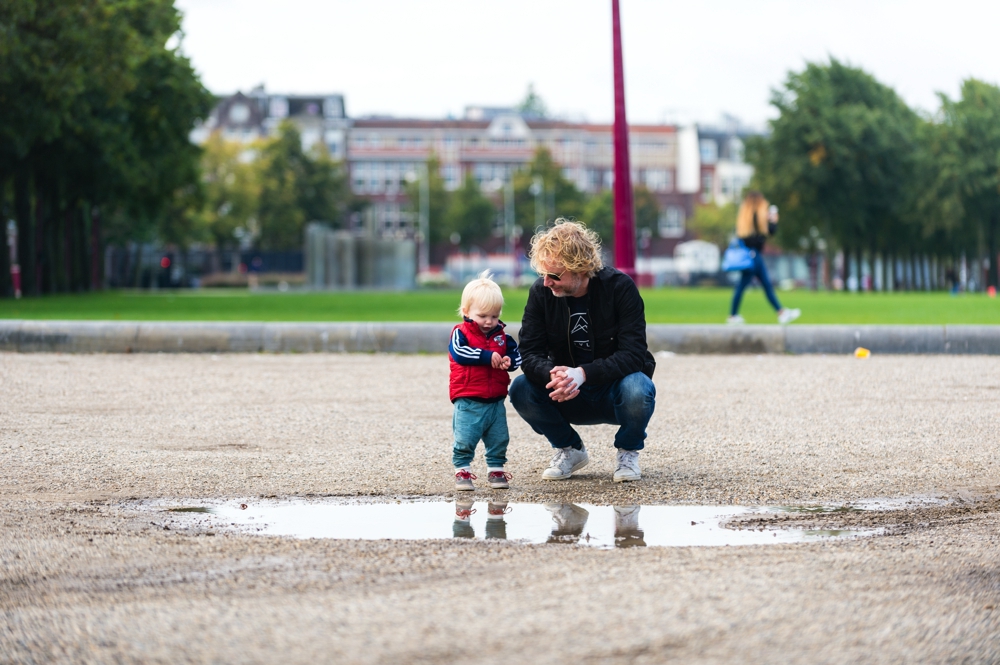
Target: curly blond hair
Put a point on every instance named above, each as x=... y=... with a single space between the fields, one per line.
x=569 y=243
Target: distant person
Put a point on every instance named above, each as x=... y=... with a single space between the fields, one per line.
x=583 y=350
x=481 y=356
x=755 y=221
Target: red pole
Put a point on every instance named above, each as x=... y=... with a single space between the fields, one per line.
x=624 y=215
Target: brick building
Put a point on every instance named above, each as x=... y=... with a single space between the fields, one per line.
x=682 y=166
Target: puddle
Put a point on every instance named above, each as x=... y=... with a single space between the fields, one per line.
x=191 y=509
x=583 y=524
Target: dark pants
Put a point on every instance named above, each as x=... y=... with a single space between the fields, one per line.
x=759 y=270
x=628 y=402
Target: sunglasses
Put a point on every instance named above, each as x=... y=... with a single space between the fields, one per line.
x=554 y=278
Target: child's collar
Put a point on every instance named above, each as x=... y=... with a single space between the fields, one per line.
x=500 y=325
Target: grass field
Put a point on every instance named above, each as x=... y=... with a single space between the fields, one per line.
x=662 y=306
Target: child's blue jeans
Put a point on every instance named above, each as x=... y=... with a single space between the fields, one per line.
x=473 y=421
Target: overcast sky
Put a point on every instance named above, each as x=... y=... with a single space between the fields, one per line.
x=684 y=61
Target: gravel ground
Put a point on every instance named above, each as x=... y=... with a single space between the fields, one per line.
x=89 y=577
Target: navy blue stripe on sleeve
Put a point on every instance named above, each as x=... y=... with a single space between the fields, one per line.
x=464 y=354
x=513 y=353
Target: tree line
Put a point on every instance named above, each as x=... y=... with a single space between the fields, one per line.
x=913 y=197
x=473 y=213
x=95 y=113
x=97 y=103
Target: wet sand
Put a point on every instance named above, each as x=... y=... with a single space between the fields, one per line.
x=88 y=576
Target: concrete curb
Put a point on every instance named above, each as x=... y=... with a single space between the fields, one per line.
x=27 y=336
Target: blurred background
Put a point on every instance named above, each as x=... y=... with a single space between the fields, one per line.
x=310 y=146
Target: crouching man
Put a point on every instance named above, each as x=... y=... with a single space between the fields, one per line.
x=583 y=352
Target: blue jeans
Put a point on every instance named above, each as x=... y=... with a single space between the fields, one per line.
x=759 y=270
x=628 y=402
x=472 y=421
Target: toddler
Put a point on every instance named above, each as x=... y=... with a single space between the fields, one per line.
x=481 y=355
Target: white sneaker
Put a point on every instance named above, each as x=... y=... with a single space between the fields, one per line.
x=569 y=521
x=786 y=316
x=565 y=462
x=628 y=466
x=735 y=320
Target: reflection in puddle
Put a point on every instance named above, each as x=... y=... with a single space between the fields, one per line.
x=190 y=509
x=562 y=523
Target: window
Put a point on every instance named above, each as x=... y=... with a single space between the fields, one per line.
x=239 y=113
x=706 y=187
x=671 y=223
x=392 y=176
x=376 y=176
x=659 y=180
x=278 y=107
x=709 y=151
x=736 y=151
x=452 y=175
x=359 y=174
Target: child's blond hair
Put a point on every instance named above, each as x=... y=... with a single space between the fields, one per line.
x=482 y=291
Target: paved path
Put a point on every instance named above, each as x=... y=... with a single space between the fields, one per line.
x=88 y=577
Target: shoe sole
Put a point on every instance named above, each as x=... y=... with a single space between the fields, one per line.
x=626 y=479
x=571 y=471
x=498 y=486
x=464 y=489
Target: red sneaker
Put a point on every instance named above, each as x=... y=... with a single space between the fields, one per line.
x=463 y=480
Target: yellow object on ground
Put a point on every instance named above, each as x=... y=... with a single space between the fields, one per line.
x=862 y=352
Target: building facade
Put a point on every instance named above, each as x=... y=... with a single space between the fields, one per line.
x=256 y=115
x=491 y=144
x=681 y=166
x=723 y=169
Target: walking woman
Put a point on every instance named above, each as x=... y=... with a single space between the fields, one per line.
x=755 y=221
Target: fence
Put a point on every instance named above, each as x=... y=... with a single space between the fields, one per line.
x=154 y=266
x=346 y=260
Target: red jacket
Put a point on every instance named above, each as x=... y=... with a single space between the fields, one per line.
x=470 y=354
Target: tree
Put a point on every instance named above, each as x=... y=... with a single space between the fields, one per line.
x=470 y=214
x=599 y=214
x=295 y=188
x=647 y=209
x=841 y=156
x=556 y=196
x=714 y=223
x=437 y=204
x=95 y=114
x=532 y=104
x=969 y=165
x=231 y=190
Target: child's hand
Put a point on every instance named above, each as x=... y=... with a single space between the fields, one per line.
x=497 y=361
x=505 y=364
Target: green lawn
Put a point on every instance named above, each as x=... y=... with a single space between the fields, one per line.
x=662 y=306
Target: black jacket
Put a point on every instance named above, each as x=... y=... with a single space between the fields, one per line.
x=617 y=331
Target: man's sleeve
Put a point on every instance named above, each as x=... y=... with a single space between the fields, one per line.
x=631 y=354
x=513 y=353
x=535 y=362
x=464 y=354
